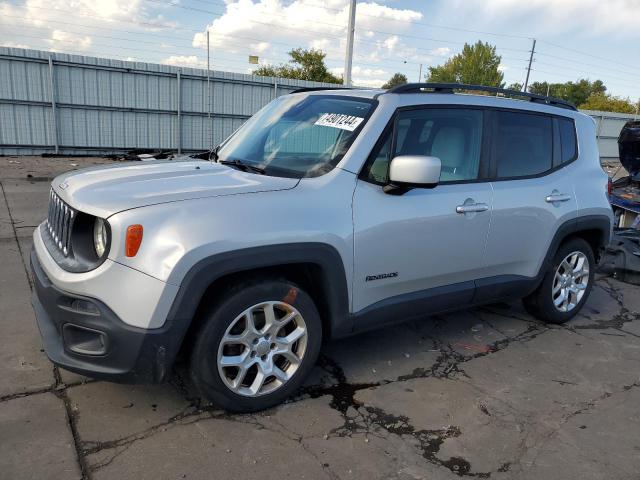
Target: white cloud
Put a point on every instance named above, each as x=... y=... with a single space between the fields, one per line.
x=440 y=52
x=260 y=47
x=61 y=40
x=41 y=19
x=307 y=24
x=391 y=42
x=365 y=77
x=185 y=61
x=373 y=9
x=15 y=45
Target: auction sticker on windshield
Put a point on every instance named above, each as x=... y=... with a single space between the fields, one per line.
x=337 y=120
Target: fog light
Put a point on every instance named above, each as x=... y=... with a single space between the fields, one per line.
x=84 y=307
x=84 y=341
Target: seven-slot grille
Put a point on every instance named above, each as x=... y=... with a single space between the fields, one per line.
x=60 y=222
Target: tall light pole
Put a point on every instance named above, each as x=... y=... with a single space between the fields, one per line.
x=350 y=33
x=526 y=82
x=209 y=96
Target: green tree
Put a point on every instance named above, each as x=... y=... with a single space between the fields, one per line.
x=608 y=103
x=575 y=92
x=304 y=65
x=397 y=79
x=515 y=86
x=475 y=65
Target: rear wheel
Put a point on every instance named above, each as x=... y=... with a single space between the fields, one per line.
x=256 y=346
x=566 y=284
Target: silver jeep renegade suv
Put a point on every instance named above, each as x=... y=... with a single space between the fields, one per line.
x=328 y=213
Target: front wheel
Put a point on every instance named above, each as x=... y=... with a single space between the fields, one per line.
x=566 y=284
x=256 y=346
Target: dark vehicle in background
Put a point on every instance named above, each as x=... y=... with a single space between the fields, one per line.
x=622 y=257
x=624 y=193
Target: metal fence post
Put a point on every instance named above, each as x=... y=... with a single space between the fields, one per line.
x=179 y=115
x=53 y=107
x=275 y=89
x=599 y=128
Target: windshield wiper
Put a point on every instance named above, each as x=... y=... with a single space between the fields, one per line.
x=213 y=154
x=240 y=165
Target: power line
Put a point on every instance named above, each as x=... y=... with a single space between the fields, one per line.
x=75 y=24
x=415 y=51
x=581 y=72
x=635 y=75
x=590 y=55
x=315 y=32
x=304 y=31
x=571 y=77
x=189 y=47
x=388 y=18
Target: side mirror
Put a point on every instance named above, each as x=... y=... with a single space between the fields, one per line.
x=413 y=171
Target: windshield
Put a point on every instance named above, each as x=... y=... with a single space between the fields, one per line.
x=298 y=136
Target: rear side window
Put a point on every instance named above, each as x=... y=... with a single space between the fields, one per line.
x=523 y=144
x=568 y=144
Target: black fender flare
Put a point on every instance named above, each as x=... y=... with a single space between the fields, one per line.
x=207 y=270
x=600 y=223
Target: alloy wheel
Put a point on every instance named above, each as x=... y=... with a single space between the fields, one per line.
x=262 y=348
x=570 y=281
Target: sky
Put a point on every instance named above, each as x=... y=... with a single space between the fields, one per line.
x=594 y=39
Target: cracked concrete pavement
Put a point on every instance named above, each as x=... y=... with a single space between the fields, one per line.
x=487 y=393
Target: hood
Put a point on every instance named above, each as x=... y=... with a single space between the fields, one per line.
x=629 y=148
x=104 y=191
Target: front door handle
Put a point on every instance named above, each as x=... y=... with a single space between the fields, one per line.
x=472 y=208
x=557 y=197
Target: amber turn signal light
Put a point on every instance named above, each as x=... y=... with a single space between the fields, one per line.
x=133 y=240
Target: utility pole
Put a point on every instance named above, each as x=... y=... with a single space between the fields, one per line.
x=209 y=95
x=526 y=82
x=350 y=33
x=420 y=74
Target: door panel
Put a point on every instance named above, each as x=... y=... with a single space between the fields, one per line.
x=524 y=222
x=532 y=200
x=418 y=240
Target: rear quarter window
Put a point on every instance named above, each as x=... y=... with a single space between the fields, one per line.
x=568 y=142
x=523 y=144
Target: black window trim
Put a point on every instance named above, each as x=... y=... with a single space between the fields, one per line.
x=488 y=167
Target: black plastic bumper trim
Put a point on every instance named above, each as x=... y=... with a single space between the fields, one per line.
x=133 y=355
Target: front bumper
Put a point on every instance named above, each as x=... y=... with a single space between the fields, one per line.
x=83 y=335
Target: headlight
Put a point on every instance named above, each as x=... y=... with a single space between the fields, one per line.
x=99 y=237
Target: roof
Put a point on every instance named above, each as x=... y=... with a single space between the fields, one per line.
x=446 y=89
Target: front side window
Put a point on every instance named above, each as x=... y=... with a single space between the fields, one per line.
x=298 y=136
x=454 y=135
x=523 y=144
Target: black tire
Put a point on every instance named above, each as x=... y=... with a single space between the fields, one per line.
x=540 y=303
x=218 y=318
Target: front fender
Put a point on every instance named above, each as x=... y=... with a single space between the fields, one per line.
x=208 y=270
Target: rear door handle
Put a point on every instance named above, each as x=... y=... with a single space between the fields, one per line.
x=472 y=208
x=557 y=197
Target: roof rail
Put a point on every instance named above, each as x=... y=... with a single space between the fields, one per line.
x=316 y=89
x=451 y=87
